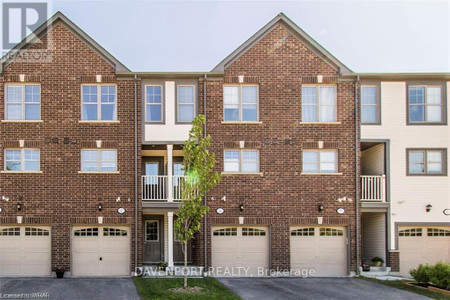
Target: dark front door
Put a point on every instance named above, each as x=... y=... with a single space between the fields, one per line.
x=153 y=240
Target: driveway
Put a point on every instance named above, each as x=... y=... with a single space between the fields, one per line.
x=69 y=288
x=313 y=288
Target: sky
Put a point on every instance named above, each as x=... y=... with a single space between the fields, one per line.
x=367 y=36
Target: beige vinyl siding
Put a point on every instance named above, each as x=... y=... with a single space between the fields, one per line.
x=408 y=195
x=372 y=160
x=374 y=236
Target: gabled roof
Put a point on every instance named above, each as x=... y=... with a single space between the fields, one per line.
x=83 y=36
x=307 y=40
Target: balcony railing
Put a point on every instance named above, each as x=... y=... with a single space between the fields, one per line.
x=156 y=188
x=373 y=188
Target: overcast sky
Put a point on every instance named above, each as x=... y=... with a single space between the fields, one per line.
x=367 y=36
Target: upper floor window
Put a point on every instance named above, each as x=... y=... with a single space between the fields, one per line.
x=320 y=161
x=153 y=103
x=94 y=160
x=23 y=102
x=425 y=104
x=427 y=161
x=240 y=103
x=319 y=103
x=241 y=161
x=370 y=105
x=186 y=103
x=99 y=102
x=22 y=160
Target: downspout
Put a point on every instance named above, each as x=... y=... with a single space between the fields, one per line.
x=135 y=174
x=205 y=229
x=357 y=177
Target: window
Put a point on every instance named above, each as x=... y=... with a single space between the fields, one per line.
x=22 y=160
x=319 y=104
x=331 y=232
x=99 y=160
x=153 y=103
x=114 y=232
x=240 y=103
x=253 y=232
x=370 y=105
x=86 y=232
x=411 y=232
x=320 y=161
x=31 y=231
x=152 y=230
x=241 y=161
x=23 y=102
x=303 y=232
x=437 y=232
x=427 y=161
x=186 y=103
x=232 y=231
x=10 y=231
x=99 y=103
x=425 y=104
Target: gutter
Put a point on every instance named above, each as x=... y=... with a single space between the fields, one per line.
x=135 y=174
x=357 y=178
x=205 y=236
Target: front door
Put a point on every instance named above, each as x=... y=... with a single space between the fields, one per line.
x=153 y=240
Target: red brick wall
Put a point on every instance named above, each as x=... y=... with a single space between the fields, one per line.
x=394 y=261
x=282 y=196
x=60 y=194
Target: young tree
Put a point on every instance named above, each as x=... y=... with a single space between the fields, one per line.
x=198 y=168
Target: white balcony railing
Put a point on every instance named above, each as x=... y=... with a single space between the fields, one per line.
x=373 y=188
x=156 y=188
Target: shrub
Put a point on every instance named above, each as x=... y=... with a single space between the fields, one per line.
x=440 y=275
x=377 y=259
x=422 y=273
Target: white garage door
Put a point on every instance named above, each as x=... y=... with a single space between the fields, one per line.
x=25 y=251
x=100 y=251
x=423 y=245
x=235 y=249
x=322 y=249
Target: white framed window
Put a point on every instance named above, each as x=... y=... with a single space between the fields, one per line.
x=23 y=102
x=99 y=102
x=153 y=103
x=240 y=103
x=152 y=230
x=370 y=105
x=319 y=103
x=425 y=104
x=320 y=161
x=22 y=160
x=95 y=160
x=427 y=161
x=186 y=103
x=241 y=161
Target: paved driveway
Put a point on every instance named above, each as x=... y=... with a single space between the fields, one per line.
x=70 y=288
x=313 y=288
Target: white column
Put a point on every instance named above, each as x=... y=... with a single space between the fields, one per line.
x=169 y=173
x=170 y=237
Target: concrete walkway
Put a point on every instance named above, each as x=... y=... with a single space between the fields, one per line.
x=313 y=288
x=69 y=288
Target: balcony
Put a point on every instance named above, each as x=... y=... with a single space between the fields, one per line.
x=373 y=188
x=162 y=188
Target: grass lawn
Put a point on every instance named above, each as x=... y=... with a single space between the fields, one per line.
x=158 y=288
x=399 y=285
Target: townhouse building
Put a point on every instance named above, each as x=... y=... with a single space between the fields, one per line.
x=322 y=168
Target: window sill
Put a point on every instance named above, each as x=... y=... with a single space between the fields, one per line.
x=245 y=174
x=242 y=122
x=320 y=123
x=426 y=123
x=22 y=121
x=21 y=172
x=327 y=174
x=98 y=122
x=97 y=172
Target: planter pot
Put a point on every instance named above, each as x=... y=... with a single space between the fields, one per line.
x=59 y=274
x=378 y=264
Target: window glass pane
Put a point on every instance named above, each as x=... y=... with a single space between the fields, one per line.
x=369 y=114
x=327 y=105
x=417 y=113
x=249 y=161
x=327 y=113
x=434 y=113
x=231 y=94
x=434 y=162
x=185 y=112
x=12 y=154
x=108 y=160
x=108 y=155
x=231 y=112
x=14 y=93
x=310 y=167
x=249 y=94
x=249 y=112
x=151 y=168
x=32 y=111
x=416 y=156
x=108 y=94
x=434 y=95
x=231 y=161
x=369 y=95
x=89 y=160
x=310 y=156
x=13 y=111
x=310 y=161
x=309 y=113
x=108 y=166
x=417 y=95
x=326 y=95
x=32 y=93
x=90 y=112
x=108 y=112
x=31 y=154
x=13 y=160
x=328 y=161
x=309 y=95
x=186 y=94
x=416 y=168
x=153 y=94
x=89 y=93
x=153 y=113
x=31 y=165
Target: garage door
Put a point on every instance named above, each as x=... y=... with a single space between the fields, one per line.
x=423 y=245
x=322 y=249
x=25 y=251
x=235 y=248
x=101 y=251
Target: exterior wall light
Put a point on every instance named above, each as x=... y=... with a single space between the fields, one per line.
x=429 y=207
x=241 y=207
x=320 y=208
x=100 y=207
x=19 y=206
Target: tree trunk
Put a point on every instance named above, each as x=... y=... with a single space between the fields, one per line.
x=185 y=264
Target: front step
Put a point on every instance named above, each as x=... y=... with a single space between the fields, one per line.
x=375 y=271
